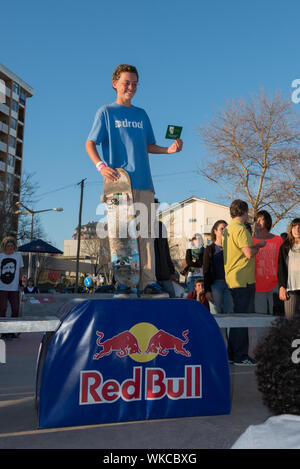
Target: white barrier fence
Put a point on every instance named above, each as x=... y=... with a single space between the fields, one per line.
x=51 y=323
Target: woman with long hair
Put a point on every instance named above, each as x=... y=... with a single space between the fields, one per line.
x=289 y=270
x=215 y=286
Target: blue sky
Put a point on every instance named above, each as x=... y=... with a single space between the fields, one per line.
x=192 y=57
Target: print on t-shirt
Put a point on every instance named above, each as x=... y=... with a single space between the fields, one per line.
x=8 y=270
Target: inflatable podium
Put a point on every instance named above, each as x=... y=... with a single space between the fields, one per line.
x=127 y=360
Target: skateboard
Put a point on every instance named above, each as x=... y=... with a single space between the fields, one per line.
x=124 y=252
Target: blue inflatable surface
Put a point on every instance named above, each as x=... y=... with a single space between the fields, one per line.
x=127 y=360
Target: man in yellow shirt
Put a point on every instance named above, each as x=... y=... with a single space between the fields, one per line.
x=239 y=264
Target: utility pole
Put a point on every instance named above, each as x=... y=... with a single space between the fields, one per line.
x=79 y=233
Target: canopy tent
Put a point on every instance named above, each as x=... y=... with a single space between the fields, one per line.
x=39 y=246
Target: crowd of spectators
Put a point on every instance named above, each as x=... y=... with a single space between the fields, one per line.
x=247 y=269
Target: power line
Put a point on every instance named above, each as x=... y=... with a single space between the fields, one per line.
x=100 y=182
x=56 y=190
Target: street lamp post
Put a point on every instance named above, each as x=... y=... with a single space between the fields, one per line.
x=32 y=213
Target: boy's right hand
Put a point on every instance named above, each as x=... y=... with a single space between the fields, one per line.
x=110 y=174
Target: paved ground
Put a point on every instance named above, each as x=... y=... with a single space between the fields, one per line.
x=18 y=417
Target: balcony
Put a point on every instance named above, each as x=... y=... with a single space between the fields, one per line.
x=11 y=150
x=4 y=108
x=3 y=146
x=3 y=127
x=10 y=169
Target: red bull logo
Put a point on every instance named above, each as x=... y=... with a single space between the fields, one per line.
x=143 y=342
x=123 y=344
x=94 y=390
x=162 y=342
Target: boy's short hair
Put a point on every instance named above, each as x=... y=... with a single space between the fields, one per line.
x=238 y=208
x=124 y=68
x=199 y=280
x=267 y=218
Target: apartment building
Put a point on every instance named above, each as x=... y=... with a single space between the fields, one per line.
x=88 y=231
x=14 y=93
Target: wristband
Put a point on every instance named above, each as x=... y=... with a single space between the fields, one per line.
x=100 y=165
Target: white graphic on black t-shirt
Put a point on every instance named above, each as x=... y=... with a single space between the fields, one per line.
x=8 y=270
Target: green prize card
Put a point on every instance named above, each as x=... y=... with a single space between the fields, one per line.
x=173 y=132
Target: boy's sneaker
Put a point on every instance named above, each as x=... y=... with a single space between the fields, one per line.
x=246 y=362
x=154 y=291
x=122 y=292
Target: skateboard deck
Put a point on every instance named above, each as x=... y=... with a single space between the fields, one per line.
x=123 y=245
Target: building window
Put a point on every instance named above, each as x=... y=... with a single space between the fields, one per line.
x=13 y=123
x=192 y=220
x=2 y=178
x=9 y=180
x=19 y=149
x=22 y=97
x=15 y=105
x=18 y=167
x=16 y=88
x=10 y=160
x=12 y=142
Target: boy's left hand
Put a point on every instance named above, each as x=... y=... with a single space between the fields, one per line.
x=176 y=146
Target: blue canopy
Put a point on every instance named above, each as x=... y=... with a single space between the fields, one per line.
x=38 y=245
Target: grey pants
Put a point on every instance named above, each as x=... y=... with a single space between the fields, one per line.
x=263 y=302
x=146 y=236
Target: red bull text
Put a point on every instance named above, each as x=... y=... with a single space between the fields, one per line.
x=94 y=390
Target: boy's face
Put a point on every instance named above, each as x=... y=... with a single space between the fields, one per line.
x=199 y=287
x=126 y=86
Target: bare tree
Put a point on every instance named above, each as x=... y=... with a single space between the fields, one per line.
x=9 y=223
x=98 y=251
x=255 y=153
x=29 y=187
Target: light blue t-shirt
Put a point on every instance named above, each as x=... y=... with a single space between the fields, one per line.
x=124 y=134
